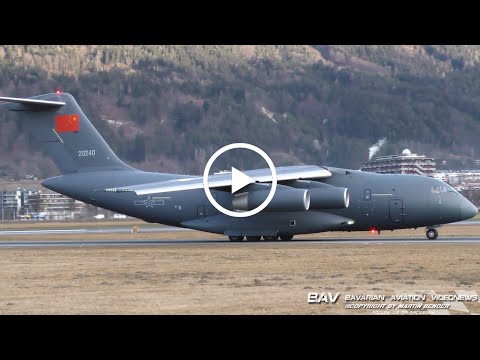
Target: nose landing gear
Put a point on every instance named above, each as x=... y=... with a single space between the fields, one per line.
x=431 y=233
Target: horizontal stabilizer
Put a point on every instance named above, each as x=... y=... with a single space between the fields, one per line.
x=34 y=102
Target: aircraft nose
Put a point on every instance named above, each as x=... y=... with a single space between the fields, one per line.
x=467 y=209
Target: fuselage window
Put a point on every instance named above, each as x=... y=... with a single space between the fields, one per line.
x=367 y=196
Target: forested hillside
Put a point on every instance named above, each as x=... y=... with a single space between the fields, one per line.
x=168 y=108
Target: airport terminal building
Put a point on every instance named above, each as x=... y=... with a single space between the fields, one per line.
x=405 y=163
x=32 y=204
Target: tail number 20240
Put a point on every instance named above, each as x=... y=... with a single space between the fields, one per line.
x=86 y=152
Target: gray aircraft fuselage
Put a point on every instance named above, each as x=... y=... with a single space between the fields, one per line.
x=377 y=201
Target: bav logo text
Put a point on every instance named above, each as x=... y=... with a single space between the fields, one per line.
x=328 y=298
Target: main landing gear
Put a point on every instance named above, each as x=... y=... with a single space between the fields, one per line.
x=432 y=234
x=236 y=238
x=257 y=238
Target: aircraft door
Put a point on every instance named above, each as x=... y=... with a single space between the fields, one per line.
x=396 y=211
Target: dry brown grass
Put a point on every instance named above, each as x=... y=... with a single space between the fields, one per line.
x=33 y=225
x=226 y=278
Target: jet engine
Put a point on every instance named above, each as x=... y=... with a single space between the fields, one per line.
x=333 y=198
x=285 y=199
x=323 y=196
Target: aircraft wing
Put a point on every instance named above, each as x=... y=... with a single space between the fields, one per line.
x=224 y=179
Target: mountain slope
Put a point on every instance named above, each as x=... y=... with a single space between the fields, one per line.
x=168 y=108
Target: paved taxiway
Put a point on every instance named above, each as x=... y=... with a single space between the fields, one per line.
x=187 y=242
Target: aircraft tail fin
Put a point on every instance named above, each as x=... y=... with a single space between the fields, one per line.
x=59 y=124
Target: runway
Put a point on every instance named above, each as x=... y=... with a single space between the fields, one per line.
x=146 y=229
x=206 y=242
x=100 y=237
x=125 y=230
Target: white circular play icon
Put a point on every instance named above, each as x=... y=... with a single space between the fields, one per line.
x=240 y=180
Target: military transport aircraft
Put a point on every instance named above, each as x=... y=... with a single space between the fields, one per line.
x=308 y=199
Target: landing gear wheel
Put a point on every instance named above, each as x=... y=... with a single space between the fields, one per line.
x=270 y=238
x=286 y=237
x=236 y=238
x=432 y=234
x=253 y=238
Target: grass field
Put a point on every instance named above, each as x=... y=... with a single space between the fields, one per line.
x=226 y=279
x=34 y=225
x=231 y=278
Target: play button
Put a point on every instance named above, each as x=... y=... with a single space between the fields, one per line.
x=240 y=180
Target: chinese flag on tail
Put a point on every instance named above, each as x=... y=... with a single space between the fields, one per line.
x=67 y=123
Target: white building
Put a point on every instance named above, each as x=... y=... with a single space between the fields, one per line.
x=405 y=163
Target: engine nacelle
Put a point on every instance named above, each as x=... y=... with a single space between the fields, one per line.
x=329 y=198
x=285 y=199
x=323 y=196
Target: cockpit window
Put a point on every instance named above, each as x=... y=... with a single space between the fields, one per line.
x=437 y=189
x=449 y=188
